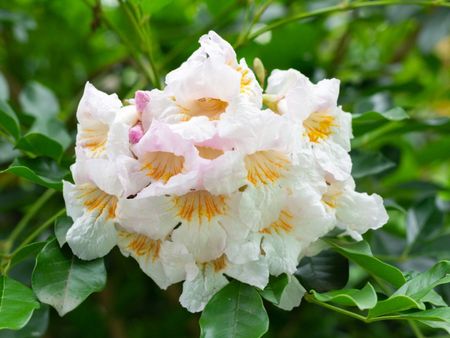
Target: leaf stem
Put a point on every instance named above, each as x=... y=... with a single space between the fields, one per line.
x=39 y=229
x=310 y=298
x=27 y=217
x=415 y=329
x=344 y=6
x=246 y=32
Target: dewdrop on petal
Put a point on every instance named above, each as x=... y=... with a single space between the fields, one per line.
x=200 y=182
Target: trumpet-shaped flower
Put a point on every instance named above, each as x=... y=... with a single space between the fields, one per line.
x=199 y=184
x=325 y=126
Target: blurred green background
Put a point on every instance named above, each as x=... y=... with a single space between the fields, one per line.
x=385 y=57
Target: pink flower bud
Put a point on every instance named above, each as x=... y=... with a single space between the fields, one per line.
x=142 y=99
x=135 y=133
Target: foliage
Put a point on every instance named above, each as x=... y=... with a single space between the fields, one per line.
x=393 y=61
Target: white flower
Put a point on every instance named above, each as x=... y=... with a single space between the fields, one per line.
x=200 y=184
x=103 y=124
x=314 y=107
x=354 y=212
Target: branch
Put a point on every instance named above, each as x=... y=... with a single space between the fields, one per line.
x=345 y=6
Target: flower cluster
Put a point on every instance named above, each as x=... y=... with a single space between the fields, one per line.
x=202 y=181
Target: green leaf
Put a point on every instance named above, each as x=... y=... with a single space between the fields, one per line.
x=369 y=163
x=9 y=120
x=360 y=253
x=323 y=272
x=436 y=318
x=395 y=303
x=434 y=298
x=62 y=225
x=285 y=291
x=4 y=89
x=46 y=138
x=424 y=222
x=394 y=114
x=36 y=327
x=40 y=171
x=38 y=101
x=64 y=281
x=419 y=286
x=236 y=311
x=17 y=304
x=364 y=299
x=415 y=291
x=274 y=289
x=29 y=250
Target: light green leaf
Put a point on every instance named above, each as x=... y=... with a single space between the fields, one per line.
x=285 y=291
x=46 y=138
x=17 y=304
x=62 y=225
x=394 y=114
x=364 y=299
x=419 y=286
x=274 y=289
x=436 y=318
x=64 y=281
x=236 y=311
x=35 y=328
x=360 y=253
x=9 y=120
x=395 y=303
x=434 y=298
x=38 y=101
x=324 y=272
x=40 y=171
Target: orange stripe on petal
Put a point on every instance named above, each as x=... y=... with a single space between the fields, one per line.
x=282 y=224
x=265 y=167
x=141 y=245
x=161 y=165
x=94 y=139
x=95 y=200
x=319 y=126
x=199 y=206
x=220 y=263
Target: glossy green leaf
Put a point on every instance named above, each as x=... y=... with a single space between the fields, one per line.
x=434 y=298
x=64 y=281
x=360 y=253
x=369 y=163
x=40 y=171
x=419 y=286
x=38 y=101
x=395 y=303
x=17 y=304
x=46 y=138
x=324 y=272
x=285 y=291
x=394 y=114
x=436 y=318
x=274 y=289
x=364 y=299
x=62 y=225
x=9 y=120
x=236 y=311
x=35 y=328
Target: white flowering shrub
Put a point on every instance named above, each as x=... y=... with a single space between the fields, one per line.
x=201 y=182
x=226 y=186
